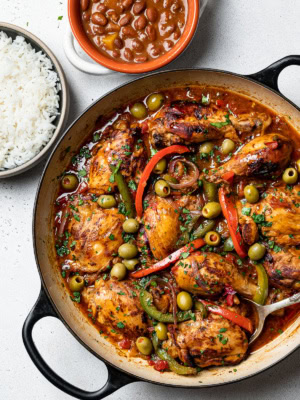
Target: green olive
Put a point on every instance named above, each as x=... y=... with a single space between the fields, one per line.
x=251 y=194
x=107 y=201
x=201 y=307
x=127 y=251
x=131 y=264
x=290 y=176
x=206 y=147
x=76 y=283
x=161 y=331
x=212 y=238
x=228 y=245
x=298 y=165
x=69 y=182
x=144 y=345
x=184 y=301
x=118 y=271
x=211 y=210
x=131 y=225
x=256 y=252
x=162 y=188
x=160 y=166
x=155 y=101
x=227 y=146
x=139 y=111
x=169 y=178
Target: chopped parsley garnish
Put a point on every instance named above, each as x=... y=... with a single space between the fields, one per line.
x=120 y=325
x=115 y=170
x=246 y=211
x=82 y=172
x=132 y=185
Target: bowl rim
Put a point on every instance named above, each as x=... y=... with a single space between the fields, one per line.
x=63 y=94
x=131 y=68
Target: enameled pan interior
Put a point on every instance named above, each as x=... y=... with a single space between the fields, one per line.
x=43 y=237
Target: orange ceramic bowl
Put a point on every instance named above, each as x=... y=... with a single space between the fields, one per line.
x=132 y=68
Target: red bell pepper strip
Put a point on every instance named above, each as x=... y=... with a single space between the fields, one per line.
x=195 y=244
x=231 y=215
x=147 y=171
x=228 y=177
x=238 y=319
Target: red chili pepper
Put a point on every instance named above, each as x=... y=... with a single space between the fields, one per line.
x=195 y=244
x=231 y=215
x=161 y=365
x=125 y=344
x=228 y=177
x=220 y=103
x=238 y=319
x=147 y=171
x=272 y=145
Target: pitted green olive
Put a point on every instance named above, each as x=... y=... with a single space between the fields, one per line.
x=128 y=251
x=227 y=146
x=161 y=331
x=290 y=176
x=211 y=210
x=206 y=147
x=69 y=182
x=160 y=166
x=76 y=283
x=144 y=345
x=118 y=271
x=184 y=301
x=131 y=225
x=256 y=251
x=107 y=201
x=155 y=101
x=251 y=194
x=139 y=111
x=162 y=188
x=131 y=264
x=212 y=238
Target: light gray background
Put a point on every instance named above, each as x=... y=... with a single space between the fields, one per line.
x=237 y=35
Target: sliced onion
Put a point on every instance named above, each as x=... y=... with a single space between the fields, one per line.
x=193 y=178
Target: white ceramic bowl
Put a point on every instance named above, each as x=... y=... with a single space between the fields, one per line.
x=13 y=31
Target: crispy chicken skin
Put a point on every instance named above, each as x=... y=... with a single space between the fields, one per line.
x=258 y=158
x=283 y=267
x=120 y=145
x=202 y=341
x=162 y=226
x=90 y=230
x=190 y=122
x=206 y=274
x=280 y=211
x=112 y=302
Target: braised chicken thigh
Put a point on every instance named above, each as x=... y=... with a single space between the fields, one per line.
x=179 y=208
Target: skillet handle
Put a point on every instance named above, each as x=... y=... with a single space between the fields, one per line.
x=43 y=308
x=269 y=76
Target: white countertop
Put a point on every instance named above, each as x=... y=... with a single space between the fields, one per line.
x=237 y=35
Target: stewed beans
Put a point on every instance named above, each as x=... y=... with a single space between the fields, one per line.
x=134 y=31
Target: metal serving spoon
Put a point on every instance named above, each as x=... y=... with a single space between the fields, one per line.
x=264 y=311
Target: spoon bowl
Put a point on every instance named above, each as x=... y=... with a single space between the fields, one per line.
x=263 y=311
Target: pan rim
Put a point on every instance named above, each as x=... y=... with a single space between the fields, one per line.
x=136 y=377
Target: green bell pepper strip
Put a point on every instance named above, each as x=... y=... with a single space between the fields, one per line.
x=263 y=285
x=206 y=226
x=210 y=191
x=174 y=366
x=150 y=309
x=123 y=189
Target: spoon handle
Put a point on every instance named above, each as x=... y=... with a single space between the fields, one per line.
x=283 y=303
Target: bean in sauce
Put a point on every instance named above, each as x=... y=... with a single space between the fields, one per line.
x=133 y=31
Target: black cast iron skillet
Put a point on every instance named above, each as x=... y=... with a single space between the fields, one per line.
x=44 y=306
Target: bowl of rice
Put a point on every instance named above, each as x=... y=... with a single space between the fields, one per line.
x=34 y=100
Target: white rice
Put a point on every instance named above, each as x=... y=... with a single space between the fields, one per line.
x=29 y=101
